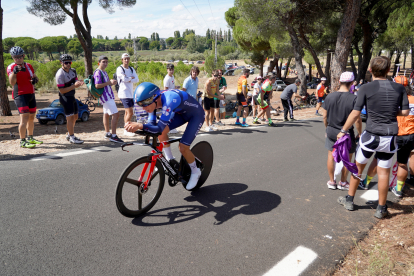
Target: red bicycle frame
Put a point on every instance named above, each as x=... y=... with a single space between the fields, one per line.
x=155 y=155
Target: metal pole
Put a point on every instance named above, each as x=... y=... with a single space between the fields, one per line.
x=135 y=51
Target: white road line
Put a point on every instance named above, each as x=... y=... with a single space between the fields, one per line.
x=370 y=195
x=64 y=154
x=294 y=263
x=203 y=134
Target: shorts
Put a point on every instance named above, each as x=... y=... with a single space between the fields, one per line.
x=109 y=107
x=241 y=99
x=25 y=103
x=209 y=103
x=384 y=148
x=70 y=106
x=127 y=102
x=330 y=140
x=320 y=99
x=405 y=146
x=259 y=102
x=216 y=103
x=222 y=110
x=194 y=119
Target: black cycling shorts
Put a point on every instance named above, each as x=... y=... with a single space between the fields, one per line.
x=405 y=146
x=241 y=99
x=209 y=103
x=69 y=105
x=25 y=103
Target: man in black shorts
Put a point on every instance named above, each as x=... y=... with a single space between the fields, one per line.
x=338 y=105
x=67 y=81
x=384 y=100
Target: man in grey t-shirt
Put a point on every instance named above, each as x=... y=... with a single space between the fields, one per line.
x=286 y=98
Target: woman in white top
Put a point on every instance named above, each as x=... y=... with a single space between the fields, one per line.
x=256 y=91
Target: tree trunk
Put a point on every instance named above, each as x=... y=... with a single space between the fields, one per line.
x=328 y=65
x=379 y=53
x=287 y=67
x=273 y=63
x=344 y=40
x=4 y=100
x=297 y=51
x=312 y=51
x=405 y=58
x=397 y=61
x=412 y=57
x=279 y=69
x=351 y=61
x=366 y=47
x=310 y=72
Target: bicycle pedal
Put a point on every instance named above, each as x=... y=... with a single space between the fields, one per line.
x=172 y=182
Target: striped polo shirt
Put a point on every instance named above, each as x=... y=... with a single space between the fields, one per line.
x=108 y=94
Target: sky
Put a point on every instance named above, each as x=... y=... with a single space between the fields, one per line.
x=146 y=17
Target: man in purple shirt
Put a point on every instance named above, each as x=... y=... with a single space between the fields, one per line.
x=107 y=99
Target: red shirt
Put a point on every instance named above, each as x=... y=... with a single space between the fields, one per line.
x=23 y=84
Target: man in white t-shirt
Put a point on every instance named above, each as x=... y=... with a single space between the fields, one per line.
x=169 y=84
x=126 y=76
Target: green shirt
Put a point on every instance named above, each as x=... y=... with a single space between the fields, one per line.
x=221 y=84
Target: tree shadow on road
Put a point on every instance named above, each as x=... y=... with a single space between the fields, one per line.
x=225 y=200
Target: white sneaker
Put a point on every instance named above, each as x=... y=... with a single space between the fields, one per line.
x=213 y=127
x=193 y=180
x=173 y=131
x=127 y=133
x=208 y=129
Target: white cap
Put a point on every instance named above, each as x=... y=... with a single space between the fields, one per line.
x=259 y=77
x=323 y=78
x=125 y=55
x=347 y=77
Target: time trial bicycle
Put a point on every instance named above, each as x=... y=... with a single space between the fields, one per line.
x=141 y=184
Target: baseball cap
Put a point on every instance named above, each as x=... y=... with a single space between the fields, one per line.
x=125 y=55
x=259 y=77
x=102 y=57
x=323 y=78
x=347 y=77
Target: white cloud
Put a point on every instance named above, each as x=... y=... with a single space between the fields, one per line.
x=213 y=18
x=177 y=8
x=116 y=20
x=150 y=15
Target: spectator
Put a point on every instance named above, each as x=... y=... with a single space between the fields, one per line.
x=320 y=93
x=22 y=77
x=107 y=99
x=338 y=105
x=169 y=83
x=361 y=82
x=67 y=81
x=241 y=98
x=191 y=82
x=223 y=108
x=210 y=90
x=353 y=87
x=126 y=76
x=384 y=100
x=257 y=90
x=267 y=86
x=286 y=98
x=222 y=87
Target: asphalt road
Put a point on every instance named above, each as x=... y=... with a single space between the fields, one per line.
x=266 y=197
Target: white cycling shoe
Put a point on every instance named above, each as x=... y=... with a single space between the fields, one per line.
x=193 y=180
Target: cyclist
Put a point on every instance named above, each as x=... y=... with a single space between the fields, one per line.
x=241 y=98
x=22 y=78
x=186 y=110
x=320 y=92
x=67 y=81
x=267 y=87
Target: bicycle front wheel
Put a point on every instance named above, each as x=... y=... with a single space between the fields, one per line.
x=129 y=201
x=91 y=106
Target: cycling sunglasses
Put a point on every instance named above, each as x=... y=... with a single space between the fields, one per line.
x=67 y=62
x=18 y=57
x=146 y=102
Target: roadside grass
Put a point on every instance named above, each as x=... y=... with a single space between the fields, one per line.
x=388 y=249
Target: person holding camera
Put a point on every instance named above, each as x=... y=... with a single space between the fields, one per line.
x=67 y=81
x=22 y=78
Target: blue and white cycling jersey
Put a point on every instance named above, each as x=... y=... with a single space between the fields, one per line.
x=186 y=109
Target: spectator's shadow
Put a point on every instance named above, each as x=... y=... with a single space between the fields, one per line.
x=236 y=201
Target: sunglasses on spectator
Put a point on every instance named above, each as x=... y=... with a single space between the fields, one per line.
x=67 y=62
x=216 y=75
x=18 y=57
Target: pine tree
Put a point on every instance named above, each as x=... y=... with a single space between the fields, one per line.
x=129 y=36
x=229 y=36
x=157 y=36
x=208 y=34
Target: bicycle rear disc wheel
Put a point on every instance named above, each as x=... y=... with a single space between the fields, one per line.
x=91 y=106
x=129 y=201
x=204 y=152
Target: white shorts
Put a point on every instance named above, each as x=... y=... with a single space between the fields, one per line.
x=110 y=107
x=384 y=148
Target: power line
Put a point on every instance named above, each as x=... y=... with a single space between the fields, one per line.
x=200 y=13
x=191 y=14
x=215 y=23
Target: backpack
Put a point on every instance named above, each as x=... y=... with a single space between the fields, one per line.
x=116 y=77
x=90 y=84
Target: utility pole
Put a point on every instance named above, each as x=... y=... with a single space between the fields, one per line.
x=215 y=52
x=135 y=51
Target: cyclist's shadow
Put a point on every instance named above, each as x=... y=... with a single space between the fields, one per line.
x=236 y=201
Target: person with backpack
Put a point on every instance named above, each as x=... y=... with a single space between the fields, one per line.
x=67 y=81
x=126 y=76
x=107 y=98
